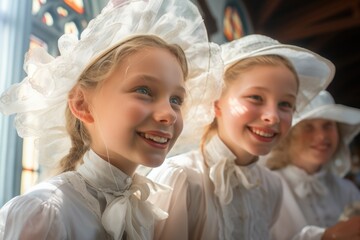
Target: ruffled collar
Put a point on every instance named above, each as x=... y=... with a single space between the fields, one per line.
x=303 y=183
x=127 y=211
x=102 y=175
x=224 y=173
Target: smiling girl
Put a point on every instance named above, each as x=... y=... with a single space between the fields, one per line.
x=110 y=102
x=311 y=161
x=219 y=190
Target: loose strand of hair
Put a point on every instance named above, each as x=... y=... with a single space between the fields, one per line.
x=209 y=131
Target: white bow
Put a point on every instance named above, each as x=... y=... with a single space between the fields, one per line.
x=128 y=211
x=226 y=175
x=309 y=184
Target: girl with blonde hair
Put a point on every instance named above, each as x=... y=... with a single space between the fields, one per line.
x=113 y=100
x=219 y=190
x=311 y=162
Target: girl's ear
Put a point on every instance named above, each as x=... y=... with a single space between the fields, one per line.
x=79 y=105
x=217 y=108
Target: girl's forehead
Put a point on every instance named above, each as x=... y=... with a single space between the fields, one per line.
x=148 y=54
x=268 y=75
x=154 y=65
x=316 y=121
x=153 y=59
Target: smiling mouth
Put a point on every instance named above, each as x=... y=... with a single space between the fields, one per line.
x=323 y=147
x=154 y=138
x=262 y=133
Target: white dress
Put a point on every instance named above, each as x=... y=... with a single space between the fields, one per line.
x=222 y=201
x=311 y=203
x=98 y=201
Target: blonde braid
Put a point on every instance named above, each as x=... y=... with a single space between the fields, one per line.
x=80 y=143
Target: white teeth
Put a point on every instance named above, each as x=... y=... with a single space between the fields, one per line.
x=156 y=138
x=263 y=134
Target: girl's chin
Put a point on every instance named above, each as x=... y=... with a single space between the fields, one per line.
x=262 y=150
x=154 y=163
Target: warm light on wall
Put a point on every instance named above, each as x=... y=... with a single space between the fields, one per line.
x=30 y=172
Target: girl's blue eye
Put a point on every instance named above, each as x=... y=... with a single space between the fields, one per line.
x=143 y=90
x=176 y=100
x=256 y=97
x=286 y=105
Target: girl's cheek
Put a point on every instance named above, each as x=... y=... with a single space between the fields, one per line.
x=287 y=119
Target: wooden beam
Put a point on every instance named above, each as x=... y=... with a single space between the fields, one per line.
x=315 y=13
x=294 y=34
x=266 y=12
x=317 y=44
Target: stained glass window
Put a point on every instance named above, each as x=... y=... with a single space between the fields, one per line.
x=71 y=27
x=51 y=19
x=36 y=42
x=62 y=12
x=235 y=23
x=36 y=6
x=233 y=28
x=48 y=19
x=55 y=17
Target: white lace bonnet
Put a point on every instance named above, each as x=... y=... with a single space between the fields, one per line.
x=314 y=72
x=39 y=101
x=323 y=106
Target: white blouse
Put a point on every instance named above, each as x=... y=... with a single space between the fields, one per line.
x=218 y=201
x=98 y=201
x=311 y=203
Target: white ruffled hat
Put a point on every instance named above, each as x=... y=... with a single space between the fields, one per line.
x=315 y=72
x=39 y=101
x=323 y=106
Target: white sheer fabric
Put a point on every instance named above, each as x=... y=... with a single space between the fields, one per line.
x=96 y=202
x=311 y=203
x=222 y=201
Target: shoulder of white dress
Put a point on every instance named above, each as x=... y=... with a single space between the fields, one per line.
x=50 y=191
x=42 y=196
x=189 y=160
x=268 y=177
x=185 y=168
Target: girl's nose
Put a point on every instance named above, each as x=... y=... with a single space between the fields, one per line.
x=165 y=114
x=320 y=134
x=271 y=115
